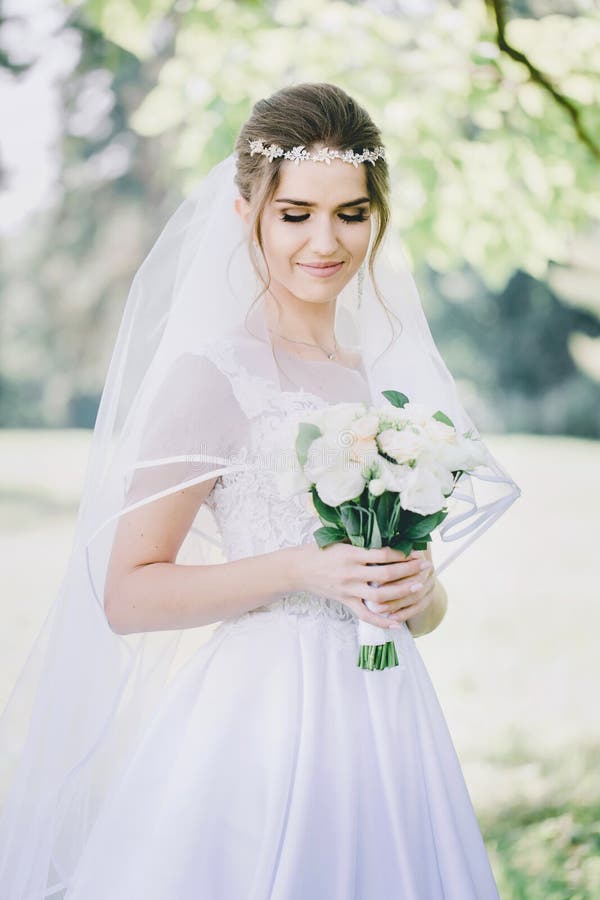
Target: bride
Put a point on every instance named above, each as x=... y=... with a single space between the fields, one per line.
x=264 y=764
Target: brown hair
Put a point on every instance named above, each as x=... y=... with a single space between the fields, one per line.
x=308 y=114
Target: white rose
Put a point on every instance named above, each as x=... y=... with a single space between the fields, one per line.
x=401 y=445
x=340 y=484
x=423 y=492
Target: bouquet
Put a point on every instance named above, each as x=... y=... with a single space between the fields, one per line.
x=380 y=476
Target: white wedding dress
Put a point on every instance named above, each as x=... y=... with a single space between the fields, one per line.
x=275 y=768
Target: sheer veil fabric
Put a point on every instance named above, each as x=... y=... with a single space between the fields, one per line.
x=191 y=367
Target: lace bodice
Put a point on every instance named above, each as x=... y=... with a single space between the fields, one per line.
x=252 y=515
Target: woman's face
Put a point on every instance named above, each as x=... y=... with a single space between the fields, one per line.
x=315 y=229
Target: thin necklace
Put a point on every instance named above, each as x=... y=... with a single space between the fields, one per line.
x=308 y=344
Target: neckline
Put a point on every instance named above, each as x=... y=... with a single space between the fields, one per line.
x=359 y=370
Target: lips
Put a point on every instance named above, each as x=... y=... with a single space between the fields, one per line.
x=321 y=270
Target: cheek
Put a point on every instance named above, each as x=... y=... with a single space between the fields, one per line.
x=280 y=242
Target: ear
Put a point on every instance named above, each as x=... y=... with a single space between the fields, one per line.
x=242 y=208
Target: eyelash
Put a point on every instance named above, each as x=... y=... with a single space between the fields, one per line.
x=359 y=218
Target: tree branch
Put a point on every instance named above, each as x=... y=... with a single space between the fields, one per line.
x=498 y=8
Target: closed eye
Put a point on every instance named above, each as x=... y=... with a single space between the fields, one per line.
x=361 y=217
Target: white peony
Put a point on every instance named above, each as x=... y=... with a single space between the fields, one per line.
x=403 y=445
x=440 y=433
x=393 y=475
x=423 y=491
x=365 y=427
x=438 y=468
x=476 y=452
x=462 y=454
x=292 y=481
x=323 y=454
x=340 y=484
x=417 y=413
x=335 y=418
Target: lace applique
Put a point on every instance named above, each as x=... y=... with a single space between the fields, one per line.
x=247 y=505
x=255 y=393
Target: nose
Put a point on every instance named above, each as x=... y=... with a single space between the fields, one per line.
x=323 y=237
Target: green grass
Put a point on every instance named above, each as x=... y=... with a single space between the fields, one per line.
x=514 y=663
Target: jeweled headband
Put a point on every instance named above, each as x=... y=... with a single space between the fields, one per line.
x=324 y=155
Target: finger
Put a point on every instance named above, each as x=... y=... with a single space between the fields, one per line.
x=401 y=598
x=397 y=591
x=382 y=555
x=421 y=602
x=384 y=574
x=363 y=612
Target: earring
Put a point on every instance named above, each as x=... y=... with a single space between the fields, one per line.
x=360 y=282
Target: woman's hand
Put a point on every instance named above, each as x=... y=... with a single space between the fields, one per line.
x=405 y=595
x=343 y=572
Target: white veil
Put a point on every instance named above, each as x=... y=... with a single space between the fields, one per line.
x=171 y=416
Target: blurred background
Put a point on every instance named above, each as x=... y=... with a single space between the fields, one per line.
x=111 y=112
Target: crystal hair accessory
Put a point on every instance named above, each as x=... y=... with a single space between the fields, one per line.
x=323 y=155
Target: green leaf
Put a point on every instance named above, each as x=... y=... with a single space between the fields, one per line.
x=374 y=532
x=395 y=398
x=400 y=543
x=384 y=510
x=328 y=513
x=424 y=525
x=353 y=519
x=327 y=535
x=442 y=417
x=307 y=432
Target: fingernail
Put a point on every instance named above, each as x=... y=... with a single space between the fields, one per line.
x=397 y=625
x=425 y=565
x=416 y=587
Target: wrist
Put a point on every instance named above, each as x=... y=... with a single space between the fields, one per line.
x=428 y=619
x=292 y=568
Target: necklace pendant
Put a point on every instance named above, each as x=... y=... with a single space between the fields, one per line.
x=330 y=355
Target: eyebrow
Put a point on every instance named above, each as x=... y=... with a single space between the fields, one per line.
x=308 y=203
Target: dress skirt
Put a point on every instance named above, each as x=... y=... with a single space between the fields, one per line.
x=275 y=768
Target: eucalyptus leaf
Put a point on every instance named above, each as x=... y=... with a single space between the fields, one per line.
x=307 y=432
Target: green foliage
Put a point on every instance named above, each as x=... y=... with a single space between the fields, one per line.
x=548 y=853
x=489 y=180
x=486 y=165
